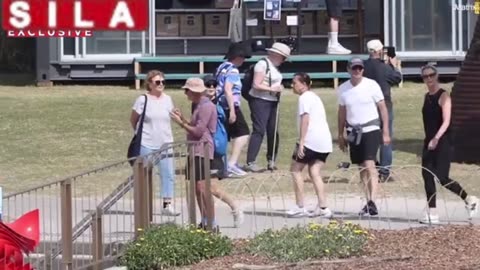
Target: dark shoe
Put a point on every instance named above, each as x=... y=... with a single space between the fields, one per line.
x=383 y=178
x=271 y=166
x=370 y=208
x=254 y=168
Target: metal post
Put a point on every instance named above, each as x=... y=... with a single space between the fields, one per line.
x=67 y=224
x=97 y=241
x=192 y=211
x=208 y=188
x=139 y=189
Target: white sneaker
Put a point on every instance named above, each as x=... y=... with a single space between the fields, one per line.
x=337 y=49
x=297 y=212
x=319 y=212
x=471 y=203
x=430 y=219
x=169 y=211
x=238 y=218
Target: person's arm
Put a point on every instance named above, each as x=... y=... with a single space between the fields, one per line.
x=446 y=104
x=137 y=110
x=394 y=76
x=134 y=119
x=382 y=107
x=260 y=71
x=230 y=79
x=201 y=125
x=342 y=120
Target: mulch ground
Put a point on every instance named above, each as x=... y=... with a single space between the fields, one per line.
x=445 y=247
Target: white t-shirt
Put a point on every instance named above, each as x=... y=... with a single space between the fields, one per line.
x=157 y=128
x=318 y=137
x=276 y=79
x=361 y=102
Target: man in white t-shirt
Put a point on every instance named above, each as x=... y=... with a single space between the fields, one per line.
x=360 y=99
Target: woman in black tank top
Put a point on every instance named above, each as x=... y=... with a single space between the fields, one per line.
x=437 y=146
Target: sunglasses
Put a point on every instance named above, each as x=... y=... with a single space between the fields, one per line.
x=159 y=82
x=357 y=68
x=431 y=75
x=210 y=85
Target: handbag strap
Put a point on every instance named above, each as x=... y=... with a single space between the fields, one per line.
x=142 y=118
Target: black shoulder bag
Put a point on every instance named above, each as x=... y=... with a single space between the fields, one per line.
x=136 y=143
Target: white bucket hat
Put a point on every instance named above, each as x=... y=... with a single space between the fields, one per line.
x=280 y=48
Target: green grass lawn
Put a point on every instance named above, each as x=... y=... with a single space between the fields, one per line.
x=47 y=133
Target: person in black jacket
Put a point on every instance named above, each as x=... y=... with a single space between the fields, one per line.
x=386 y=75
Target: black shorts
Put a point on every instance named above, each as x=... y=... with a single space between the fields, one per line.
x=198 y=170
x=239 y=128
x=367 y=149
x=310 y=156
x=218 y=168
x=334 y=8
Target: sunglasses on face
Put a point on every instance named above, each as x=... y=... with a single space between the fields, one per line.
x=159 y=82
x=357 y=68
x=431 y=75
x=211 y=85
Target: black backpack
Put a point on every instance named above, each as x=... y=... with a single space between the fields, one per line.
x=247 y=80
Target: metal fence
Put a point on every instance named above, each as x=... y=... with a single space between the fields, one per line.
x=88 y=219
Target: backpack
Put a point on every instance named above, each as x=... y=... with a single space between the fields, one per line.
x=220 y=138
x=247 y=81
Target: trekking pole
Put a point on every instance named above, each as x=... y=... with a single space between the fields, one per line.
x=275 y=134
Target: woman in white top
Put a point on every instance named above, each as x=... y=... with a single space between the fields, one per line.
x=157 y=130
x=265 y=92
x=313 y=146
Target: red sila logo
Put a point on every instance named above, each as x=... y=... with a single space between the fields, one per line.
x=72 y=18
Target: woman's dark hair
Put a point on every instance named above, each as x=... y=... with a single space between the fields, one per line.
x=304 y=78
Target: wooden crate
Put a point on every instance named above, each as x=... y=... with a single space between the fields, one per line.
x=191 y=25
x=216 y=24
x=167 y=25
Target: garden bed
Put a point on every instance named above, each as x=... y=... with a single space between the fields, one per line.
x=442 y=247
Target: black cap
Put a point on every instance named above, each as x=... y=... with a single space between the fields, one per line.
x=209 y=79
x=238 y=49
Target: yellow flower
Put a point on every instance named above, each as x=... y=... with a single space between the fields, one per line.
x=138 y=244
x=140 y=229
x=358 y=231
x=142 y=239
x=198 y=230
x=308 y=236
x=327 y=251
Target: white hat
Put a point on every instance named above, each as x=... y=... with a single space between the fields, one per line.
x=374 y=45
x=195 y=85
x=280 y=48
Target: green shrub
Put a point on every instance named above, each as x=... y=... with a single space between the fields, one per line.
x=170 y=245
x=311 y=242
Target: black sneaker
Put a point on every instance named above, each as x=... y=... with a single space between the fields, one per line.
x=370 y=208
x=271 y=166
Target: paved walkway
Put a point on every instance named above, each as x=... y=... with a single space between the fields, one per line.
x=260 y=214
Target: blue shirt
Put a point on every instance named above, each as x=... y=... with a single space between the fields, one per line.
x=228 y=72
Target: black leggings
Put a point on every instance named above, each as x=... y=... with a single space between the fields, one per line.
x=264 y=119
x=437 y=163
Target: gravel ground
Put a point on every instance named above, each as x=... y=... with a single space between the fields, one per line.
x=445 y=247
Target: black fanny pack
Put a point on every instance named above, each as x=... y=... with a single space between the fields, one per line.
x=355 y=136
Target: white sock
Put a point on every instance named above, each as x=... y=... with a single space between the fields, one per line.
x=332 y=38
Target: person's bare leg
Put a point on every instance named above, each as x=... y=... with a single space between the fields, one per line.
x=238 y=144
x=297 y=175
x=222 y=195
x=364 y=176
x=200 y=194
x=372 y=178
x=316 y=176
x=334 y=47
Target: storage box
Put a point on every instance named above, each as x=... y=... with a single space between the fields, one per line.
x=216 y=24
x=323 y=23
x=279 y=28
x=167 y=25
x=306 y=24
x=224 y=3
x=191 y=25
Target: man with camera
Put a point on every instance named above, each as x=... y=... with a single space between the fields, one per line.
x=381 y=67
